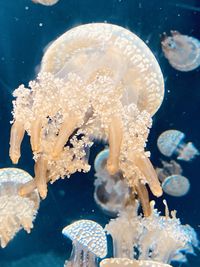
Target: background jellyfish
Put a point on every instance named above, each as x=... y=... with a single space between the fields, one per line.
x=16 y=212
x=173 y=183
x=89 y=243
x=182 y=51
x=108 y=100
x=156 y=238
x=46 y=2
x=171 y=143
x=111 y=191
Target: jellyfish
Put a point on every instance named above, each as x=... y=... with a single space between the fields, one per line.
x=102 y=82
x=173 y=183
x=89 y=243
x=124 y=262
x=171 y=142
x=112 y=192
x=46 y=2
x=182 y=51
x=16 y=212
x=159 y=239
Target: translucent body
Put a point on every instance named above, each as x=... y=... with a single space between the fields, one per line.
x=173 y=183
x=102 y=80
x=89 y=242
x=46 y=2
x=111 y=191
x=171 y=143
x=182 y=51
x=176 y=185
x=155 y=238
x=16 y=212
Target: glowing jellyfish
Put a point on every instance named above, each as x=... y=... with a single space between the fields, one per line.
x=16 y=212
x=182 y=51
x=102 y=80
x=173 y=183
x=124 y=262
x=46 y=2
x=112 y=193
x=162 y=239
x=89 y=243
x=171 y=142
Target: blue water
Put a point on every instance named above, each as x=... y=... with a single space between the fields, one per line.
x=25 y=29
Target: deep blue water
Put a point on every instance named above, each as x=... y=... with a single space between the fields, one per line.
x=22 y=41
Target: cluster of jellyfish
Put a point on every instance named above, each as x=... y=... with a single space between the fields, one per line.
x=103 y=83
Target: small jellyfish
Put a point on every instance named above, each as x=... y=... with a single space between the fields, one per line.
x=173 y=183
x=112 y=192
x=46 y=2
x=16 y=212
x=171 y=142
x=89 y=243
x=124 y=262
x=96 y=81
x=182 y=51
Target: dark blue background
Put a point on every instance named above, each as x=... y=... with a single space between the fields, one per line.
x=22 y=41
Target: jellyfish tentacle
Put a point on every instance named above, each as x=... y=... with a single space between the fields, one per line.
x=16 y=137
x=115 y=140
x=41 y=176
x=36 y=128
x=67 y=128
x=145 y=166
x=143 y=196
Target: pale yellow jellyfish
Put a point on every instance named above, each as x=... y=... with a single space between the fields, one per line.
x=159 y=239
x=102 y=80
x=182 y=51
x=124 y=262
x=46 y=2
x=16 y=212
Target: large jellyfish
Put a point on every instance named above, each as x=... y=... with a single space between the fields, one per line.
x=96 y=81
x=159 y=239
x=46 y=2
x=171 y=142
x=124 y=262
x=182 y=51
x=173 y=183
x=16 y=212
x=89 y=243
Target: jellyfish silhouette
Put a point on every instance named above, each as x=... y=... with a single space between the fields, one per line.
x=16 y=212
x=89 y=243
x=182 y=51
x=46 y=2
x=173 y=183
x=100 y=81
x=112 y=193
x=171 y=142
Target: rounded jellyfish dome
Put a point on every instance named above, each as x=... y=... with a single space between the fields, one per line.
x=115 y=50
x=176 y=185
x=46 y=2
x=182 y=51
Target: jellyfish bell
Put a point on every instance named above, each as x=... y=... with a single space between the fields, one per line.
x=16 y=212
x=89 y=243
x=172 y=142
x=111 y=191
x=114 y=84
x=45 y=2
x=182 y=51
x=176 y=185
x=124 y=262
